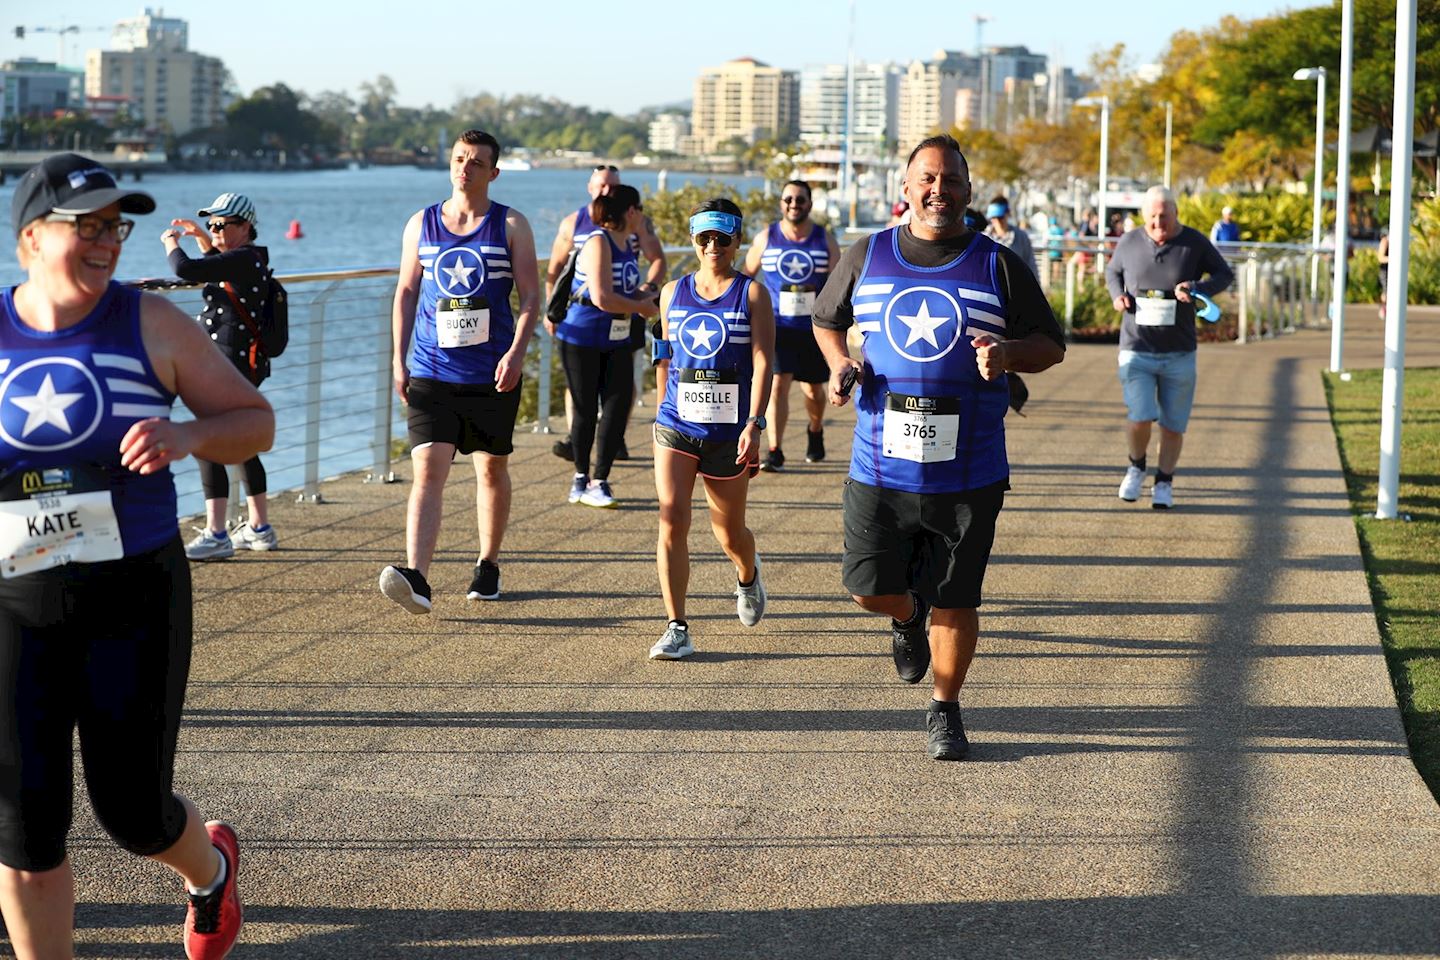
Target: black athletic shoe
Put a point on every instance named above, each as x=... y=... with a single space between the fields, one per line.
x=407 y=587
x=774 y=461
x=911 y=644
x=814 y=445
x=623 y=453
x=947 y=734
x=563 y=449
x=486 y=585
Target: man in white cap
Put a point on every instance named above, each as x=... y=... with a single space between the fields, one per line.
x=1225 y=230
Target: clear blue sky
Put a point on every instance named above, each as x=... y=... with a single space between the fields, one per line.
x=616 y=55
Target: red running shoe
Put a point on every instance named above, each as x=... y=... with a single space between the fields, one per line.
x=214 y=920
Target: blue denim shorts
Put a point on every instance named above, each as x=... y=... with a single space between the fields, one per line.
x=1158 y=386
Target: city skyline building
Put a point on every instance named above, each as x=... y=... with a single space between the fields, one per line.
x=168 y=85
x=39 y=88
x=744 y=99
x=823 y=94
x=668 y=132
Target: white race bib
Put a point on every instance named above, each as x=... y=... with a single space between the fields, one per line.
x=461 y=323
x=59 y=522
x=797 y=303
x=707 y=397
x=1154 y=312
x=921 y=429
x=620 y=328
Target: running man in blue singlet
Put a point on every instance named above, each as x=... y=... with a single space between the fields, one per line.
x=459 y=261
x=944 y=313
x=719 y=334
x=793 y=257
x=95 y=595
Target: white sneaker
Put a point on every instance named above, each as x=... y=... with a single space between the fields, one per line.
x=750 y=601
x=207 y=546
x=1162 y=496
x=1130 y=486
x=577 y=487
x=674 y=644
x=246 y=536
x=597 y=494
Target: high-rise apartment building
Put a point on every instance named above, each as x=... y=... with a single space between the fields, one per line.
x=823 y=100
x=668 y=132
x=30 y=87
x=168 y=84
x=927 y=94
x=744 y=99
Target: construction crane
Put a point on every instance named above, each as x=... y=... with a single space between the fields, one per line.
x=59 y=32
x=980 y=21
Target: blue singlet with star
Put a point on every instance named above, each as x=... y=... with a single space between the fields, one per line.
x=708 y=335
x=794 y=263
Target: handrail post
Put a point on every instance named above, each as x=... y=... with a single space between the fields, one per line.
x=384 y=399
x=314 y=379
x=542 y=397
x=1070 y=267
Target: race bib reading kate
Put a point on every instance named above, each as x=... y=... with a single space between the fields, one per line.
x=462 y=322
x=921 y=429
x=54 y=516
x=709 y=396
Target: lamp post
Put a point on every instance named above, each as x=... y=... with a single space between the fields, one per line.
x=1104 y=102
x=1169 y=116
x=1342 y=188
x=1317 y=74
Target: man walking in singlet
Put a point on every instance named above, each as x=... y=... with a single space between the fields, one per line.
x=458 y=263
x=793 y=257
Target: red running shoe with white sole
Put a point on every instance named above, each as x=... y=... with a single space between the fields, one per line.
x=213 y=921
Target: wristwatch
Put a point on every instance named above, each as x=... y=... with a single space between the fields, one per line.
x=758 y=421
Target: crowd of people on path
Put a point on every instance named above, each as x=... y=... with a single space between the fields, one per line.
x=95 y=593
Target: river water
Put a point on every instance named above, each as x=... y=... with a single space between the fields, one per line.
x=351 y=218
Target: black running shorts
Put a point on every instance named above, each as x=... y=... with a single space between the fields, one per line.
x=797 y=353
x=472 y=417
x=935 y=543
x=716 y=457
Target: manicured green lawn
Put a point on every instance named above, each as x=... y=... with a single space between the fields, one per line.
x=1402 y=559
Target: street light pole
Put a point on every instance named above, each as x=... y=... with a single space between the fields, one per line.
x=1342 y=188
x=1169 y=115
x=1317 y=74
x=1104 y=176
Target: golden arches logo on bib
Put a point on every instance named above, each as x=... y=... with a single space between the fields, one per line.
x=51 y=403
x=702 y=335
x=923 y=324
x=459 y=272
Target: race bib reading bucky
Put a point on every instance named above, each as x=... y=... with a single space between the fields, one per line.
x=796 y=301
x=462 y=322
x=620 y=327
x=708 y=396
x=55 y=516
x=921 y=429
x=1154 y=309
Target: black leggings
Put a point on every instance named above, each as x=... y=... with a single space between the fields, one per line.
x=104 y=647
x=602 y=382
x=216 y=479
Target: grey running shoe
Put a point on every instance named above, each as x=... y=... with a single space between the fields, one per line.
x=207 y=546
x=1162 y=495
x=674 y=643
x=486 y=583
x=252 y=539
x=750 y=601
x=947 y=734
x=577 y=487
x=597 y=494
x=910 y=645
x=814 y=445
x=407 y=587
x=1130 y=486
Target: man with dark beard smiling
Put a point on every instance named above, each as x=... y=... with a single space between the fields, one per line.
x=944 y=313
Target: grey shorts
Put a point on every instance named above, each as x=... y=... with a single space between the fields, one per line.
x=716 y=457
x=937 y=544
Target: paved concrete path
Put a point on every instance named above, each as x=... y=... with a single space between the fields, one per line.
x=1186 y=744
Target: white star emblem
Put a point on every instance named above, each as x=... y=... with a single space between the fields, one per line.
x=459 y=274
x=922 y=325
x=794 y=266
x=702 y=335
x=46 y=406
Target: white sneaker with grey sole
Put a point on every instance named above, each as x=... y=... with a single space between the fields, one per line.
x=1130 y=486
x=1162 y=495
x=252 y=539
x=674 y=644
x=750 y=600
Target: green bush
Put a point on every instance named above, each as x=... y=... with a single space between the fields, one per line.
x=1263 y=217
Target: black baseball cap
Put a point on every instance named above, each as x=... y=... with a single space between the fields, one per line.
x=70 y=183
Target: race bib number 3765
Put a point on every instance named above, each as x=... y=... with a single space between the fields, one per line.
x=921 y=429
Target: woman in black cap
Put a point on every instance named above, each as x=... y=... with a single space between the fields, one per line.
x=95 y=602
x=235 y=271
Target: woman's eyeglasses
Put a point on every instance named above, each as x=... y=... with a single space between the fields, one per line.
x=215 y=226
x=90 y=227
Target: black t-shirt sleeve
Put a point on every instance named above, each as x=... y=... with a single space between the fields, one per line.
x=833 y=309
x=1029 y=310
x=243 y=266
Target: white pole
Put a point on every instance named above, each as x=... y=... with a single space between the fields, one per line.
x=847 y=163
x=1104 y=176
x=1318 y=209
x=1342 y=188
x=1402 y=146
x=1169 y=113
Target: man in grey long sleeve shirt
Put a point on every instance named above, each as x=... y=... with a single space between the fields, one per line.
x=1150 y=278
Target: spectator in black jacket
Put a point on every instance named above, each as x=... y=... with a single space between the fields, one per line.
x=234 y=270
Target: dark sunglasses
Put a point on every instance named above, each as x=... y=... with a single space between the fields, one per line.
x=90 y=227
x=796 y=199
x=608 y=166
x=215 y=226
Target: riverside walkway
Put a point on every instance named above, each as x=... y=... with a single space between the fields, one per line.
x=1185 y=741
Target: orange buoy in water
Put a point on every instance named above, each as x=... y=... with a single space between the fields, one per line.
x=294 y=233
